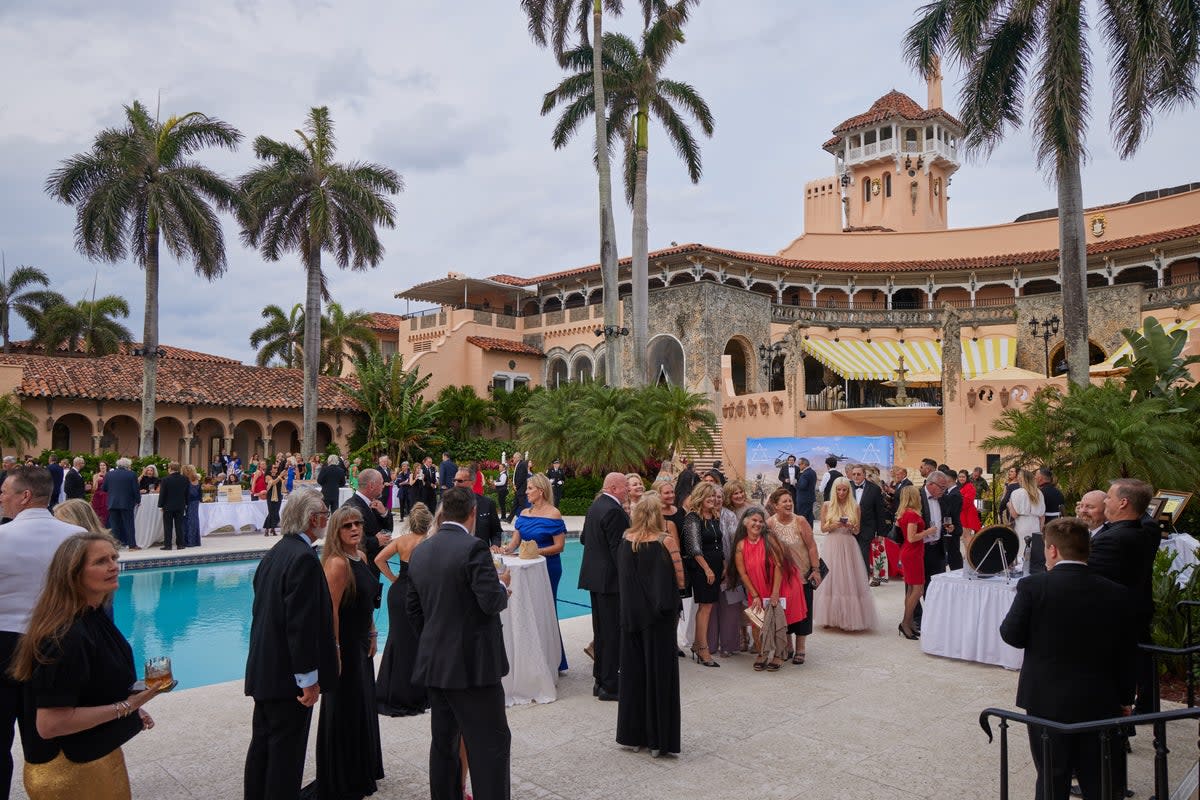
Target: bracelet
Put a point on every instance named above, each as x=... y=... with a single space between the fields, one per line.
x=374 y=634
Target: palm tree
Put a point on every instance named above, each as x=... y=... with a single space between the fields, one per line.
x=609 y=438
x=343 y=333
x=551 y=22
x=17 y=426
x=678 y=420
x=281 y=336
x=1155 y=50
x=463 y=409
x=548 y=422
x=398 y=418
x=89 y=326
x=1032 y=435
x=29 y=305
x=507 y=406
x=301 y=200
x=635 y=91
x=137 y=188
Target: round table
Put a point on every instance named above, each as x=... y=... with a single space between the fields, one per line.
x=962 y=619
x=531 y=636
x=244 y=517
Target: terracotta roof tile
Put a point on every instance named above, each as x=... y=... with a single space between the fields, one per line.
x=180 y=380
x=383 y=321
x=179 y=353
x=892 y=104
x=488 y=344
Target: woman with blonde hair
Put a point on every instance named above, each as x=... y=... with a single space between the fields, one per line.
x=844 y=599
x=912 y=554
x=191 y=536
x=79 y=512
x=705 y=559
x=1027 y=509
x=396 y=694
x=542 y=523
x=794 y=533
x=79 y=668
x=637 y=488
x=650 y=574
x=349 y=755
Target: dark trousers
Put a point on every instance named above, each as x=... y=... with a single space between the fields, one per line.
x=403 y=503
x=935 y=564
x=278 y=740
x=864 y=545
x=12 y=711
x=953 y=544
x=803 y=507
x=520 y=502
x=1037 y=554
x=174 y=521
x=121 y=521
x=502 y=502
x=606 y=634
x=1078 y=755
x=477 y=716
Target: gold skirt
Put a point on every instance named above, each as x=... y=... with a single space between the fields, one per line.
x=63 y=779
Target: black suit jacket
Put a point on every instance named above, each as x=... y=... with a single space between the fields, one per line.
x=806 y=489
x=785 y=477
x=603 y=528
x=122 y=488
x=331 y=478
x=684 y=484
x=56 y=475
x=1124 y=552
x=487 y=521
x=872 y=514
x=833 y=476
x=73 y=486
x=521 y=476
x=173 y=492
x=373 y=524
x=454 y=601
x=1076 y=629
x=291 y=631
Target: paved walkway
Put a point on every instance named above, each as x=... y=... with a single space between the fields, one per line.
x=869 y=716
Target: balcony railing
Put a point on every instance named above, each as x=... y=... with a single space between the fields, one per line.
x=889 y=318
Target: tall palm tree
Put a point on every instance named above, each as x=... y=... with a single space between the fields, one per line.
x=137 y=188
x=280 y=337
x=88 y=325
x=399 y=420
x=343 y=333
x=635 y=91
x=548 y=422
x=14 y=297
x=553 y=22
x=302 y=200
x=678 y=420
x=17 y=426
x=1155 y=50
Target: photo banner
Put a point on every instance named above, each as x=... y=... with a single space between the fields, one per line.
x=766 y=456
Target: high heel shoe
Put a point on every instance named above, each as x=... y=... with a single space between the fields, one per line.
x=704 y=662
x=902 y=632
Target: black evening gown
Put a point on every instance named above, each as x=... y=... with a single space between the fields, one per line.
x=349 y=756
x=648 y=700
x=397 y=695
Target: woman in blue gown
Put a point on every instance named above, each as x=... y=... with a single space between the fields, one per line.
x=191 y=535
x=542 y=523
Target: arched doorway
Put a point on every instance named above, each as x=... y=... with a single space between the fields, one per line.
x=247 y=439
x=1058 y=357
x=72 y=432
x=583 y=369
x=664 y=361
x=740 y=363
x=121 y=435
x=556 y=372
x=324 y=436
x=168 y=439
x=208 y=442
x=285 y=438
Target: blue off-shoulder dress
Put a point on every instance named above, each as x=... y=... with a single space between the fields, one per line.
x=543 y=530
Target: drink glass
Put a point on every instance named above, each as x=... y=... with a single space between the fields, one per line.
x=158 y=673
x=948 y=523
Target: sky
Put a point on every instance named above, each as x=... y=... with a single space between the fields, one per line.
x=449 y=95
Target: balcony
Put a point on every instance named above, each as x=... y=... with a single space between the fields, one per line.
x=890 y=318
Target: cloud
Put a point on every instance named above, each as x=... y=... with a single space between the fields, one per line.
x=436 y=137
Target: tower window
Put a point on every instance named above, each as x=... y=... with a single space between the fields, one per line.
x=887 y=184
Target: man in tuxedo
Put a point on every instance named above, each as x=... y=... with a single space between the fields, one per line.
x=377 y=520
x=454 y=601
x=520 y=484
x=1123 y=550
x=806 y=490
x=831 y=474
x=558 y=479
x=871 y=514
x=56 y=475
x=172 y=501
x=952 y=501
x=293 y=655
x=931 y=511
x=123 y=497
x=1075 y=626
x=788 y=474
x=487 y=521
x=603 y=528
x=1090 y=509
x=686 y=481
x=446 y=472
x=385 y=470
x=331 y=478
x=891 y=498
x=73 y=486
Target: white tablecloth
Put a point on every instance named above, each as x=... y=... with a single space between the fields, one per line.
x=1184 y=547
x=531 y=636
x=148 y=526
x=962 y=619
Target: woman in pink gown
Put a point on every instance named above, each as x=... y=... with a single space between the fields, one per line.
x=99 y=496
x=843 y=599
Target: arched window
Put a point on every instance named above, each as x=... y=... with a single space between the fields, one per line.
x=887 y=184
x=1058 y=357
x=866 y=184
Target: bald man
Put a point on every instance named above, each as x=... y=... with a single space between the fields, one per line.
x=603 y=527
x=1090 y=509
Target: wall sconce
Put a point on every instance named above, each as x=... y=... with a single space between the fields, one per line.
x=803 y=415
x=1004 y=397
x=971 y=398
x=912 y=193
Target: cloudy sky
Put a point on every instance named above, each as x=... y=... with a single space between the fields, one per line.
x=448 y=94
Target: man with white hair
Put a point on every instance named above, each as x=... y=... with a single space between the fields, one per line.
x=73 y=486
x=123 y=497
x=603 y=528
x=1090 y=509
x=377 y=520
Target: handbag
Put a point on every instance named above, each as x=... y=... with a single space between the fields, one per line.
x=822 y=568
x=528 y=549
x=756 y=616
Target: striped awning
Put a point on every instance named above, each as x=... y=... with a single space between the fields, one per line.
x=859 y=360
x=1110 y=364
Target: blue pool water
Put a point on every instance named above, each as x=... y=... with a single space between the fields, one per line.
x=199 y=616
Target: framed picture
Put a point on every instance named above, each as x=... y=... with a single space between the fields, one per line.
x=1172 y=502
x=1156 y=507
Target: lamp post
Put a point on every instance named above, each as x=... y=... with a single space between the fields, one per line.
x=1045 y=329
x=766 y=357
x=611 y=331
x=845 y=182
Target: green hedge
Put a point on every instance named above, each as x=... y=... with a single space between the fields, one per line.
x=91 y=463
x=574 y=506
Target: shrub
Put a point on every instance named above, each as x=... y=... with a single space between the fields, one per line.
x=574 y=506
x=1169 y=626
x=583 y=487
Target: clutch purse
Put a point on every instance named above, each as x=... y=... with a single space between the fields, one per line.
x=756 y=616
x=822 y=568
x=528 y=549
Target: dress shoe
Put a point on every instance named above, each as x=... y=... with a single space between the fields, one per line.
x=603 y=695
x=595 y=690
x=165 y=547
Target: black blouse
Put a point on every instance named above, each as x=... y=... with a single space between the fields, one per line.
x=701 y=536
x=92 y=666
x=148 y=483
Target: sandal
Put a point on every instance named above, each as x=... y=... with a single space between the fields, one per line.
x=798 y=658
x=774 y=665
x=759 y=666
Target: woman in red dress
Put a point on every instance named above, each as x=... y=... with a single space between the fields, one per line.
x=912 y=554
x=970 y=513
x=765 y=568
x=99 y=496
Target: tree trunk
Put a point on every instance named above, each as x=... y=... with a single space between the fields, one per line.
x=150 y=342
x=1072 y=243
x=312 y=346
x=641 y=248
x=608 y=232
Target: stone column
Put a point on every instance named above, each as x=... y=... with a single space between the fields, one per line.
x=187 y=449
x=266 y=448
x=95 y=444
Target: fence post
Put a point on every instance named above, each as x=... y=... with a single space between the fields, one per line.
x=1003 y=759
x=1162 y=790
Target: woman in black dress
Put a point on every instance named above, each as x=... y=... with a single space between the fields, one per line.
x=650 y=574
x=275 y=481
x=705 y=560
x=79 y=669
x=349 y=756
x=396 y=694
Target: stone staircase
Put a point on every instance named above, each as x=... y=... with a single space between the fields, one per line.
x=703 y=461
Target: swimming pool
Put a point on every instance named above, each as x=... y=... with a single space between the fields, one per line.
x=199 y=615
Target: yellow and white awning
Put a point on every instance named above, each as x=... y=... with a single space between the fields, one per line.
x=1109 y=366
x=859 y=360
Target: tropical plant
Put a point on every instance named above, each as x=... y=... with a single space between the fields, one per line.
x=609 y=436
x=463 y=411
x=1155 y=50
x=678 y=420
x=635 y=90
x=507 y=407
x=548 y=422
x=89 y=326
x=1157 y=366
x=138 y=188
x=345 y=332
x=1031 y=436
x=17 y=426
x=301 y=200
x=15 y=297
x=400 y=421
x=280 y=337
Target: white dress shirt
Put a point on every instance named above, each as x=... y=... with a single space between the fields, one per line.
x=27 y=544
x=935 y=513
